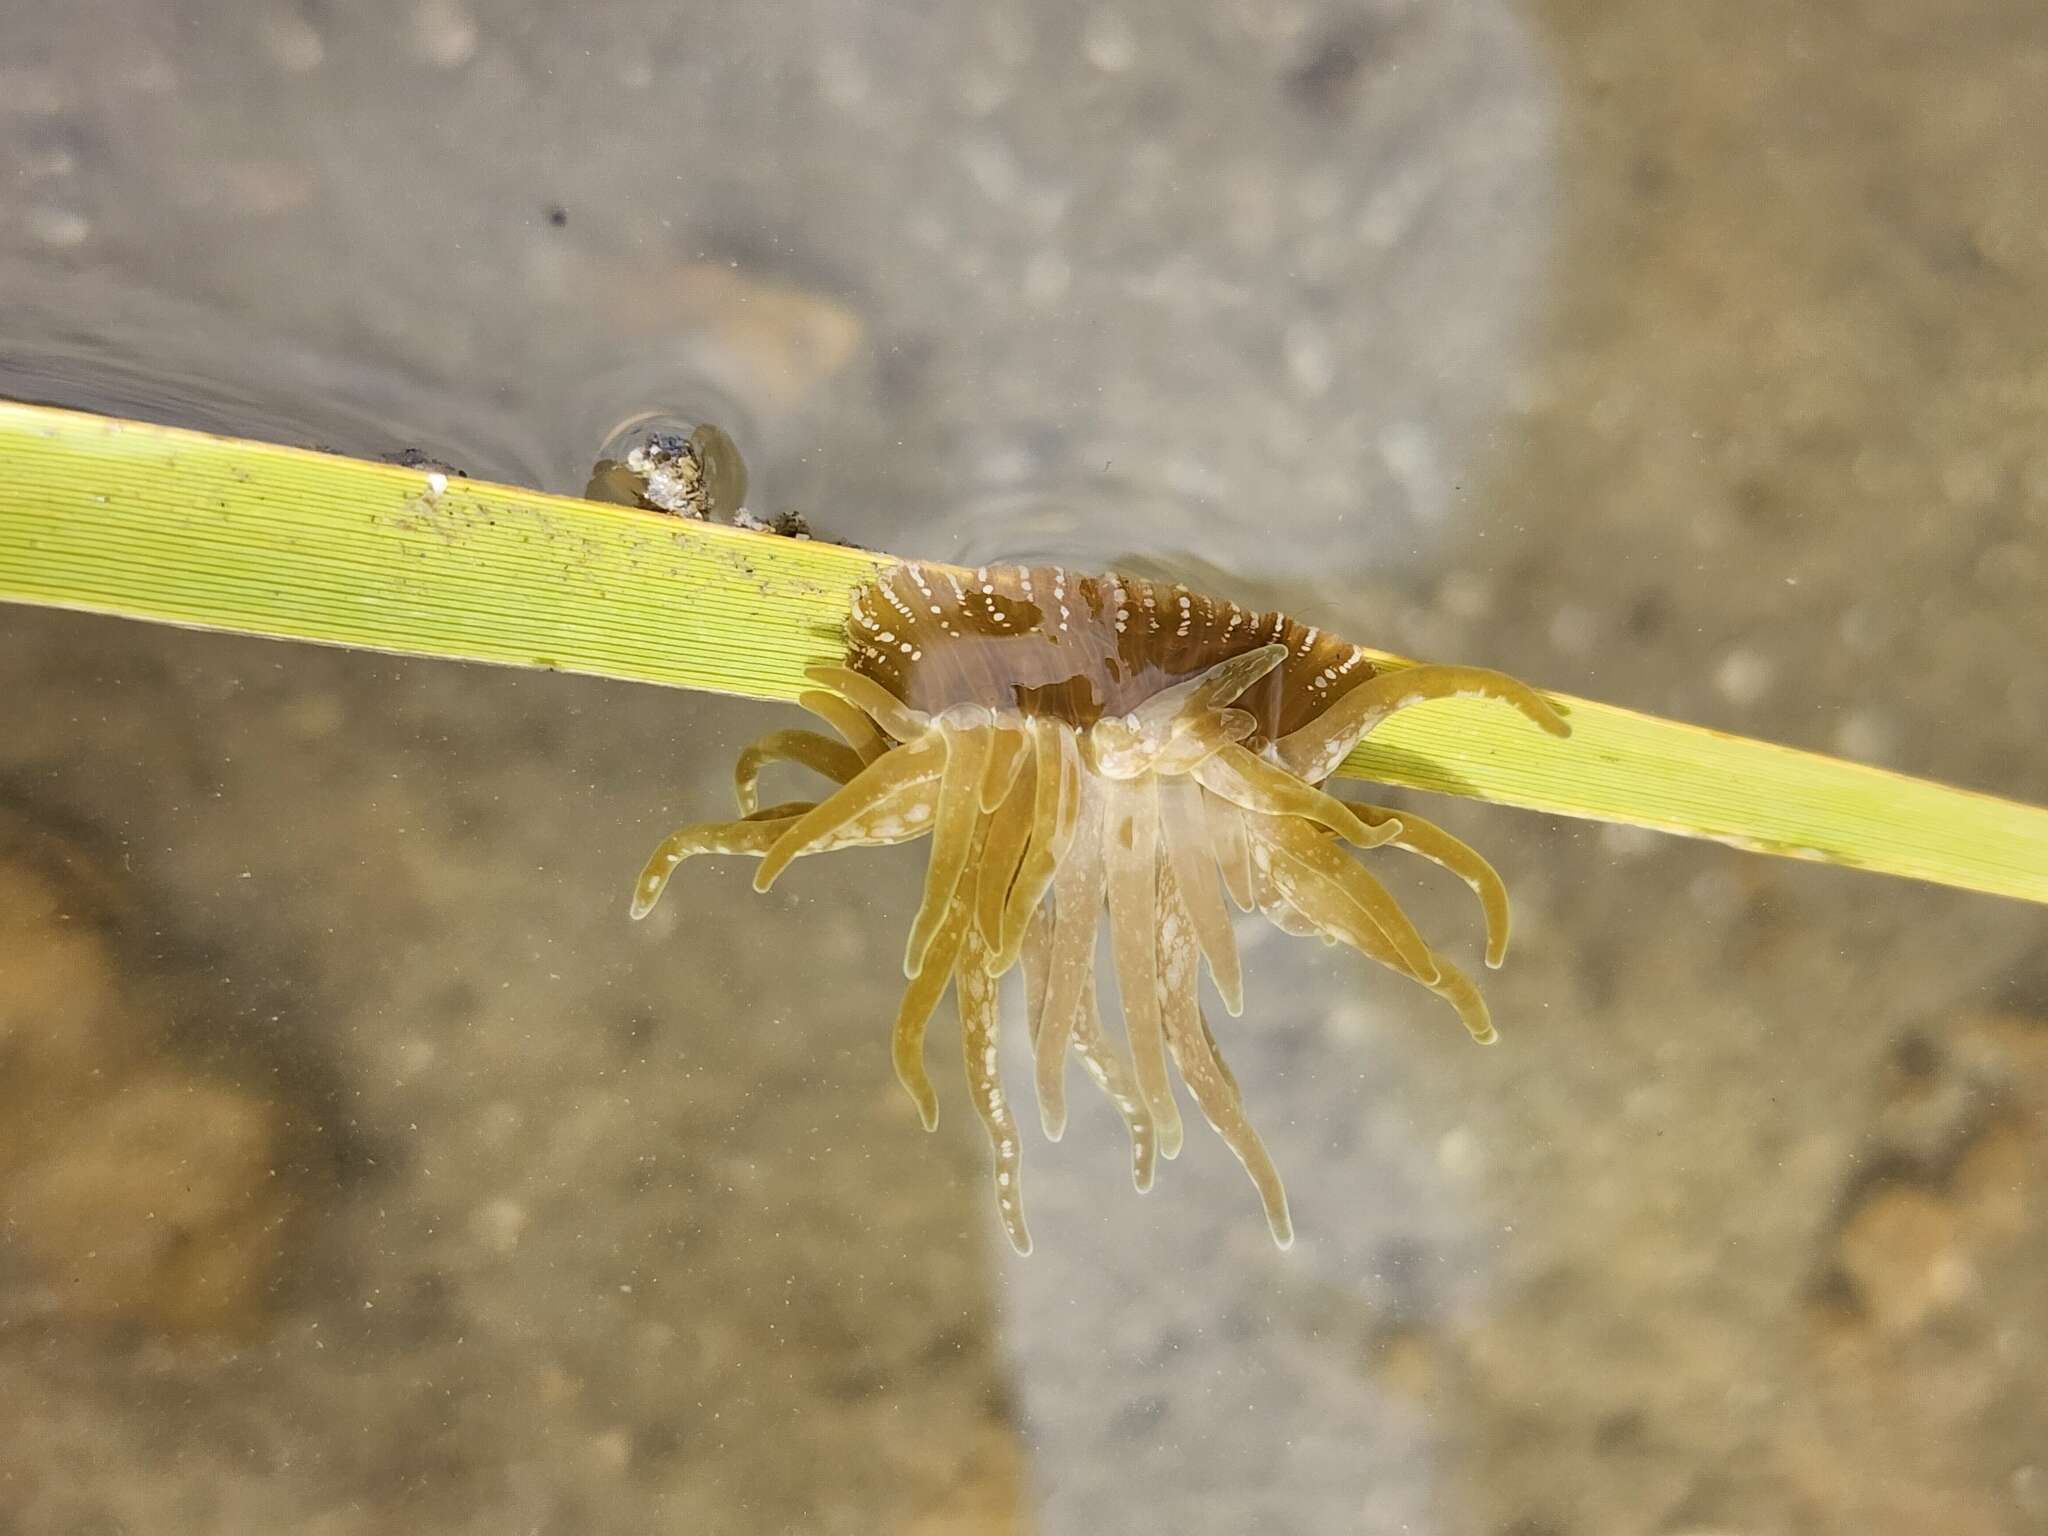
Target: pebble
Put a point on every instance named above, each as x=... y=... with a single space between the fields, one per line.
x=1901 y=1250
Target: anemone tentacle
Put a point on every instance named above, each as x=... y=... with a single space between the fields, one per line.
x=1314 y=751
x=1334 y=890
x=966 y=743
x=1055 y=815
x=975 y=990
x=1009 y=833
x=1086 y=750
x=822 y=755
x=854 y=725
x=915 y=764
x=1131 y=848
x=1077 y=895
x=1253 y=784
x=1432 y=842
x=895 y=818
x=1008 y=751
x=920 y=998
x=1098 y=1055
x=1209 y=1081
x=1233 y=850
x=1135 y=743
x=895 y=717
x=1183 y=823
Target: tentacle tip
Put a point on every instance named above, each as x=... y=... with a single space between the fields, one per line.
x=653 y=881
x=1020 y=1240
x=1011 y=950
x=1282 y=1228
x=1169 y=1142
x=1496 y=955
x=919 y=1087
x=764 y=877
x=1052 y=1119
x=1141 y=1178
x=1487 y=1036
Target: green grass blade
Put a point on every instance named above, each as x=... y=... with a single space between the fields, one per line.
x=153 y=523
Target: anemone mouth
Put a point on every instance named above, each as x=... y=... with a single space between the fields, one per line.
x=1176 y=765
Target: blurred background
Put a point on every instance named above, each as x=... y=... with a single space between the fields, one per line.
x=362 y=1168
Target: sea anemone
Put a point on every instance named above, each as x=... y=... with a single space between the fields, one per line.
x=1072 y=743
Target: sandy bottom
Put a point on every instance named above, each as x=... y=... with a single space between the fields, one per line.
x=362 y=1168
